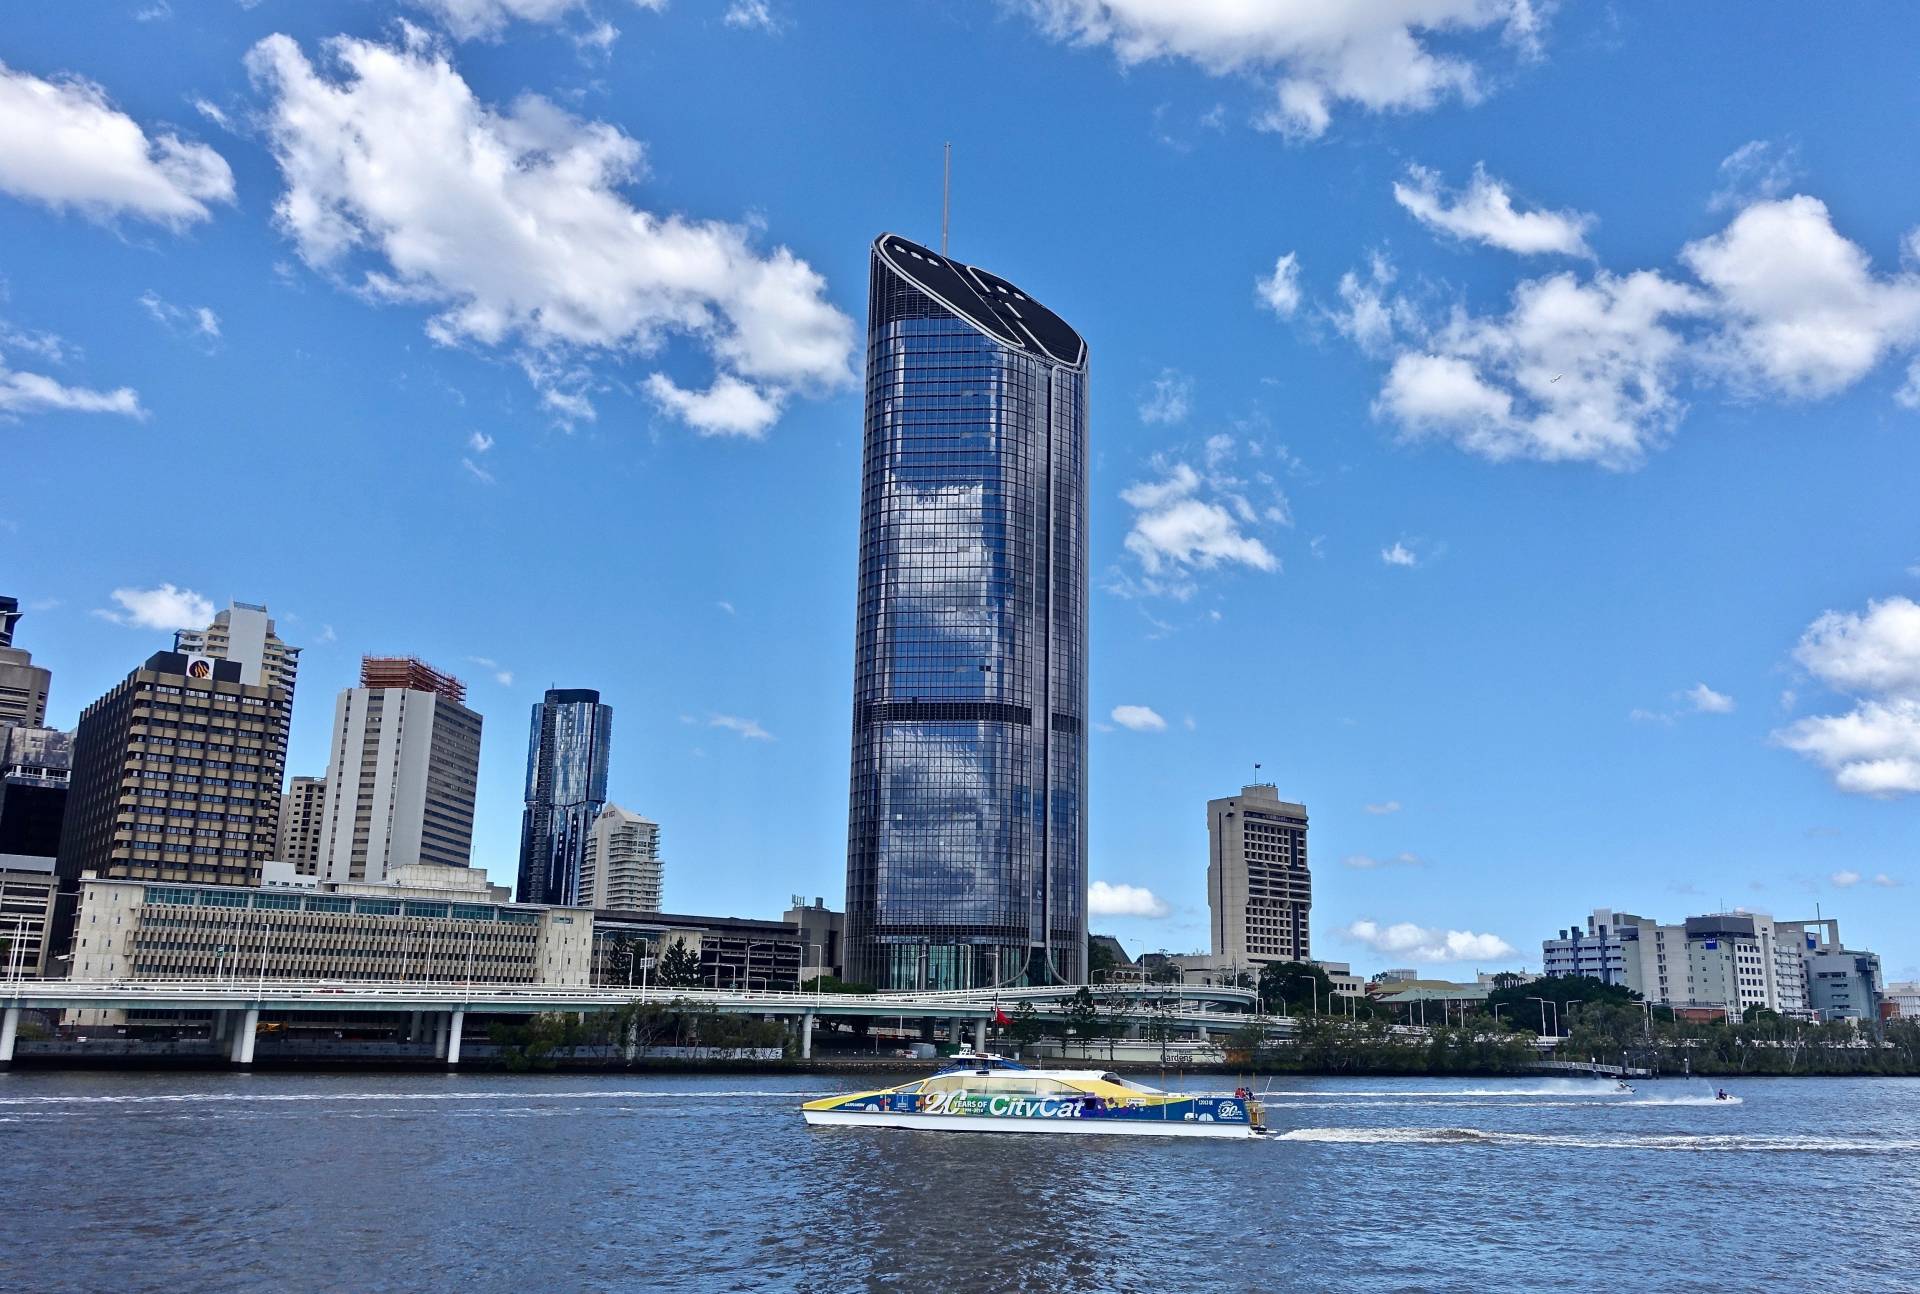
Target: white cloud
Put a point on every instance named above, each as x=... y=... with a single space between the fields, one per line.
x=501 y=675
x=485 y=19
x=1707 y=701
x=1390 y=806
x=1399 y=555
x=24 y=393
x=1885 y=881
x=1637 y=715
x=1105 y=900
x=1873 y=749
x=479 y=442
x=1802 y=312
x=729 y=407
x=725 y=606
x=1590 y=370
x=1317 y=54
x=1367 y=862
x=1756 y=170
x=163 y=607
x=1845 y=879
x=1484 y=213
x=1908 y=394
x=748 y=729
x=1169 y=398
x=1280 y=290
x=327 y=635
x=514 y=225
x=198 y=322
x=476 y=471
x=1421 y=944
x=1138 y=718
x=1176 y=530
x=752 y=14
x=63 y=143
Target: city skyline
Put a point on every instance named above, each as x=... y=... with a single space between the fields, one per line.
x=1519 y=664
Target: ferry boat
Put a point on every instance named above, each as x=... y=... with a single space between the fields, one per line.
x=985 y=1093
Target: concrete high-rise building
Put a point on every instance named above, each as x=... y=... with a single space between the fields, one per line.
x=1258 y=886
x=567 y=748
x=401 y=779
x=36 y=772
x=966 y=838
x=176 y=776
x=621 y=870
x=243 y=633
x=23 y=685
x=303 y=812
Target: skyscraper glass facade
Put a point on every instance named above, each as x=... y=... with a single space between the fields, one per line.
x=967 y=854
x=567 y=749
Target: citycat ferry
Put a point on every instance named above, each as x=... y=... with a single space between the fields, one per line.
x=980 y=1093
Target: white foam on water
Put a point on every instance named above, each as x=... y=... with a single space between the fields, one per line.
x=1737 y=1142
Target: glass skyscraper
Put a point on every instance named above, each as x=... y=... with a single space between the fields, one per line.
x=566 y=789
x=967 y=848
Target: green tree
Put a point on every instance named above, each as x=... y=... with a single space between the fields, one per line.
x=1294 y=988
x=1082 y=1017
x=678 y=967
x=1100 y=960
x=1560 y=992
x=1026 y=1026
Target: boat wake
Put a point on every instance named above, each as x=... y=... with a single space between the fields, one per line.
x=195 y=1098
x=1737 y=1142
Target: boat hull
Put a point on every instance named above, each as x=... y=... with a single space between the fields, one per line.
x=989 y=1123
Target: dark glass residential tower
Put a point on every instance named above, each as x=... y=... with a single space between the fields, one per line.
x=967 y=849
x=566 y=789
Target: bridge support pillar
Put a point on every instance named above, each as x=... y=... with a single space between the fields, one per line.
x=220 y=1026
x=439 y=1036
x=413 y=1026
x=9 y=1031
x=456 y=1023
x=806 y=1036
x=953 y=1031
x=246 y=1026
x=980 y=1036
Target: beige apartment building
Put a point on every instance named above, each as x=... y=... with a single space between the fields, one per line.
x=1258 y=887
x=302 y=810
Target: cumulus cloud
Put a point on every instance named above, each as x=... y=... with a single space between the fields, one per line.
x=1399 y=555
x=479 y=442
x=1418 y=943
x=1591 y=369
x=514 y=226
x=1845 y=879
x=752 y=14
x=63 y=143
x=1389 y=806
x=1186 y=522
x=1280 y=290
x=1707 y=701
x=163 y=607
x=23 y=393
x=1317 y=55
x=1484 y=213
x=749 y=729
x=1107 y=900
x=1874 y=657
x=1168 y=399
x=486 y=19
x=1367 y=862
x=1884 y=881
x=1138 y=718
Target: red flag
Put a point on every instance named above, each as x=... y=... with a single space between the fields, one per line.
x=1001 y=1017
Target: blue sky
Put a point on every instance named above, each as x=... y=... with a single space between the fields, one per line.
x=1505 y=429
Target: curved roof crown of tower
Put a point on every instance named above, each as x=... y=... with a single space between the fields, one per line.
x=987 y=301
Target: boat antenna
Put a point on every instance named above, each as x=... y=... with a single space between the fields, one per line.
x=946 y=195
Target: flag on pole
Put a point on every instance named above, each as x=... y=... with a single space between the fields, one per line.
x=1001 y=1017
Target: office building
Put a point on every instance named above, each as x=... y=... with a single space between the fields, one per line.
x=429 y=924
x=27 y=889
x=621 y=869
x=401 y=779
x=1259 y=889
x=176 y=776
x=823 y=934
x=733 y=952
x=303 y=811
x=243 y=633
x=23 y=685
x=967 y=848
x=1728 y=961
x=36 y=772
x=567 y=749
